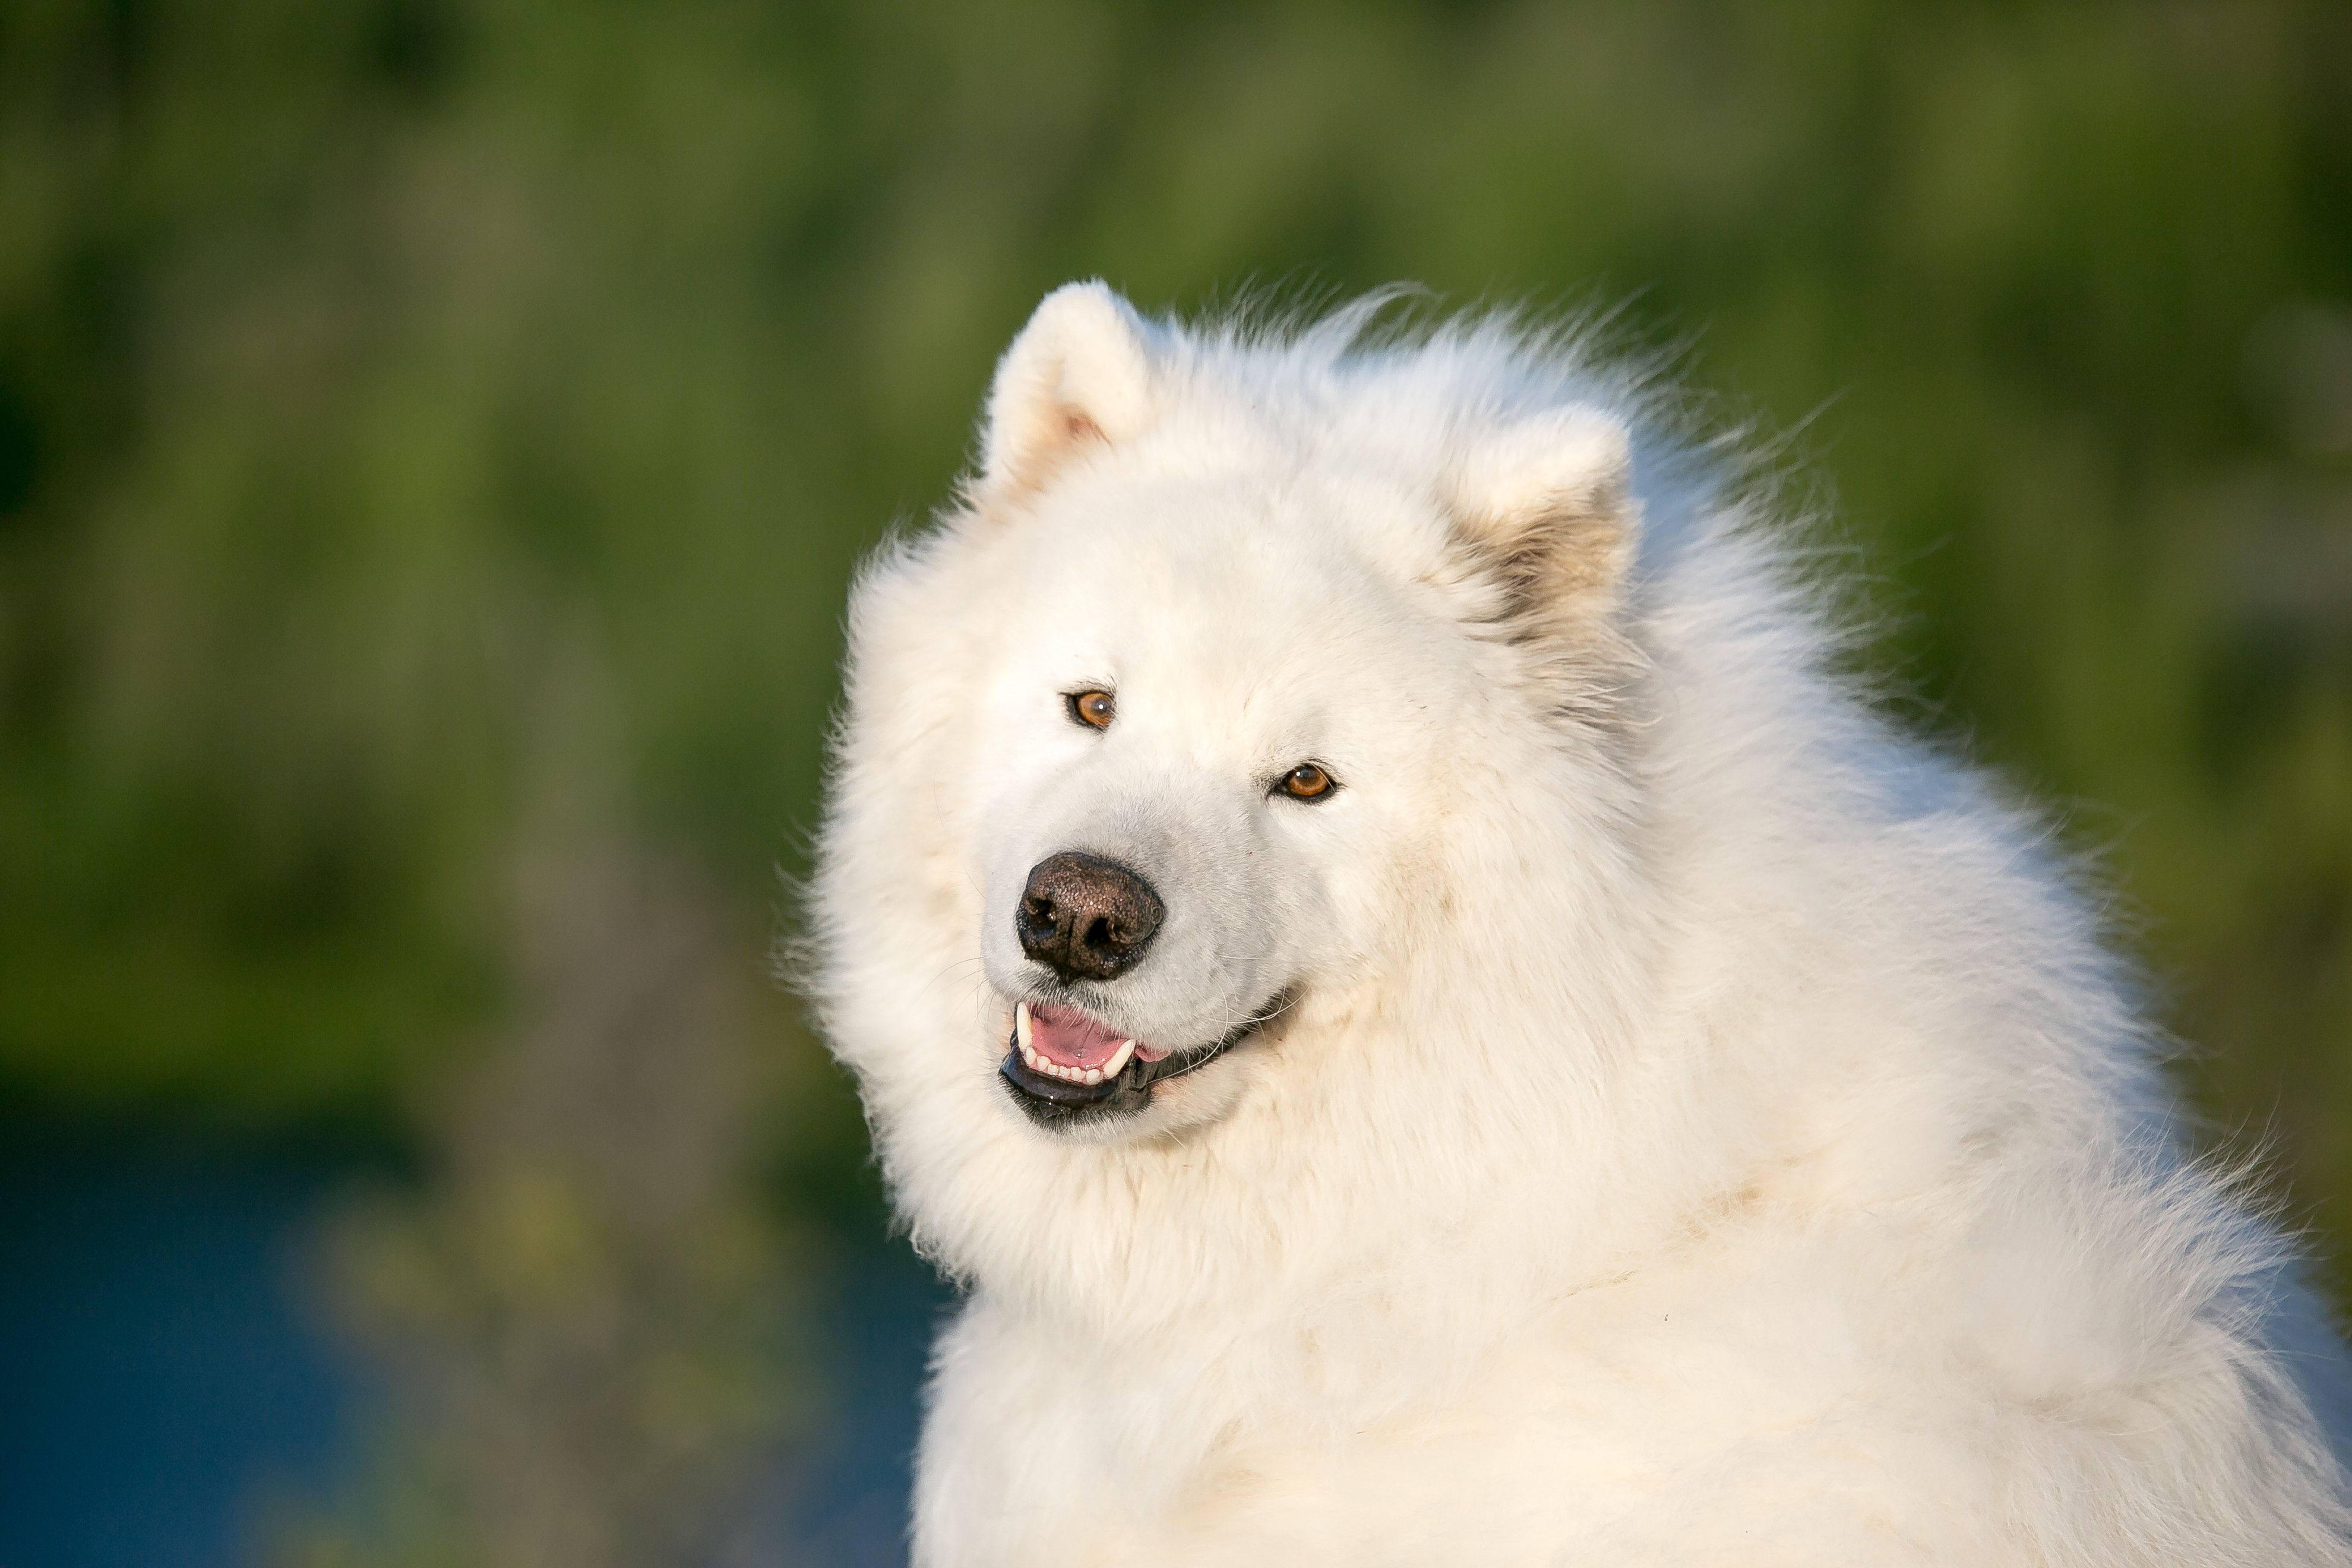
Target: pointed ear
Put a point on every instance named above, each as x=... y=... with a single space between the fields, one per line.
x=1546 y=510
x=1080 y=372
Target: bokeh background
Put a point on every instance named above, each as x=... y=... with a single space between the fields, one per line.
x=434 y=438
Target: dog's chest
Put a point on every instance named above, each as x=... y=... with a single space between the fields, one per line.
x=1073 y=1454
x=1619 y=1426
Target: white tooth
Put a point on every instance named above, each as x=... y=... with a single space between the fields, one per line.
x=1021 y=1022
x=1119 y=1058
x=1094 y=1075
x=1030 y=1057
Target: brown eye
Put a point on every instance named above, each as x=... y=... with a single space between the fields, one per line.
x=1306 y=782
x=1095 y=709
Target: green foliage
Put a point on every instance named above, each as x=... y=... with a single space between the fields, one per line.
x=593 y=1323
x=414 y=413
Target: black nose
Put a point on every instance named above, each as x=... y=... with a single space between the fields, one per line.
x=1086 y=918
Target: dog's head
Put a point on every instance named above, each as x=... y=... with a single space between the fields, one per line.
x=1250 y=677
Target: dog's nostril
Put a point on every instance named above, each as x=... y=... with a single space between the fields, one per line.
x=1087 y=918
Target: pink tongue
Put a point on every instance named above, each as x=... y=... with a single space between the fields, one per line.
x=1074 y=1040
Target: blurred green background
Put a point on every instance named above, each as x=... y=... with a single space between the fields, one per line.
x=434 y=436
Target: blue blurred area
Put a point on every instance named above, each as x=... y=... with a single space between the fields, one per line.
x=163 y=1377
x=854 y=1511
x=160 y=1377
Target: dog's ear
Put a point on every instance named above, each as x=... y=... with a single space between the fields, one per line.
x=1080 y=373
x=1545 y=509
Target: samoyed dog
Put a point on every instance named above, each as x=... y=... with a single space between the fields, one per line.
x=1435 y=1029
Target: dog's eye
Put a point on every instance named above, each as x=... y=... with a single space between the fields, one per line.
x=1307 y=782
x=1095 y=709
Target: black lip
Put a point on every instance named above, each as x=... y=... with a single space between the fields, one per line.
x=1056 y=1102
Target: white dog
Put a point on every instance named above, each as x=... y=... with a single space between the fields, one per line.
x=1435 y=1029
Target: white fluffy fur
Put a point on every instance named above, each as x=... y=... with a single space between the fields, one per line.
x=1709 y=1129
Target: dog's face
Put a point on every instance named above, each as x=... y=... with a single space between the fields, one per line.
x=1195 y=700
x=1208 y=731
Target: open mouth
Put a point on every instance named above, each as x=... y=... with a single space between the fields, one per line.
x=1064 y=1065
